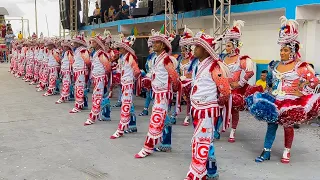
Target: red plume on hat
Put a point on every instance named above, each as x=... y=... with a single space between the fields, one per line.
x=289 y=31
x=235 y=32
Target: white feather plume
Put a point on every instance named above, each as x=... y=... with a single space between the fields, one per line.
x=187 y=30
x=153 y=32
x=224 y=69
x=292 y=23
x=121 y=36
x=239 y=24
x=106 y=33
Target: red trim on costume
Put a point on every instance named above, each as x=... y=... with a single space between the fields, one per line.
x=304 y=64
x=214 y=66
x=244 y=57
x=134 y=57
x=167 y=60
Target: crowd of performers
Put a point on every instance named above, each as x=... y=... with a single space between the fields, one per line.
x=214 y=87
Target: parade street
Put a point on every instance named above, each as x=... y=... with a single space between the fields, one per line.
x=41 y=140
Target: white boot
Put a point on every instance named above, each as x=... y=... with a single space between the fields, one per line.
x=186 y=121
x=232 y=136
x=286 y=156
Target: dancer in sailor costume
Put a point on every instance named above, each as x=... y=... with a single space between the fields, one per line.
x=14 y=57
x=290 y=99
x=105 y=113
x=165 y=80
x=129 y=72
x=80 y=67
x=38 y=65
x=146 y=80
x=54 y=59
x=22 y=62
x=99 y=69
x=30 y=55
x=44 y=70
x=186 y=74
x=66 y=70
x=113 y=57
x=13 y=51
x=210 y=91
x=237 y=65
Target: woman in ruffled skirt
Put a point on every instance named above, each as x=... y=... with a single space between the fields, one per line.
x=290 y=99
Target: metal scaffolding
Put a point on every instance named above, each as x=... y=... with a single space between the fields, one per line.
x=221 y=20
x=171 y=19
x=85 y=11
x=73 y=17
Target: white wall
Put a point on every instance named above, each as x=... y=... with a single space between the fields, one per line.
x=309 y=29
x=259 y=37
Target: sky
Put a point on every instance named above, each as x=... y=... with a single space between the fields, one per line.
x=45 y=8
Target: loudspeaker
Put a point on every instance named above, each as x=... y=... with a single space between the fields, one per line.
x=201 y=4
x=159 y=6
x=140 y=12
x=181 y=5
x=142 y=51
x=105 y=4
x=150 y=5
x=64 y=6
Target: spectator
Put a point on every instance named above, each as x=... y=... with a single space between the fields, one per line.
x=34 y=36
x=3 y=30
x=110 y=14
x=133 y=3
x=20 y=36
x=124 y=13
x=96 y=14
x=314 y=69
x=9 y=37
x=263 y=79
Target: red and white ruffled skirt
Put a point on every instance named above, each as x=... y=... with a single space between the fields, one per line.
x=298 y=110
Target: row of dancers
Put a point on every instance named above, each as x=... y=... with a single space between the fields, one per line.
x=211 y=85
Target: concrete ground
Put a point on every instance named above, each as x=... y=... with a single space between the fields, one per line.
x=41 y=140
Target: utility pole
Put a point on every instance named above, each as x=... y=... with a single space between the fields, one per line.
x=36 y=15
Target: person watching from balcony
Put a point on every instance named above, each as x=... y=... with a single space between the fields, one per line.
x=110 y=14
x=124 y=13
x=20 y=36
x=96 y=14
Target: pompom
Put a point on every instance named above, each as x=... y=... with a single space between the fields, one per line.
x=264 y=110
x=249 y=101
x=252 y=90
x=264 y=96
x=116 y=79
x=146 y=83
x=238 y=102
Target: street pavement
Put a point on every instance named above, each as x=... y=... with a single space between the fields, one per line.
x=42 y=141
